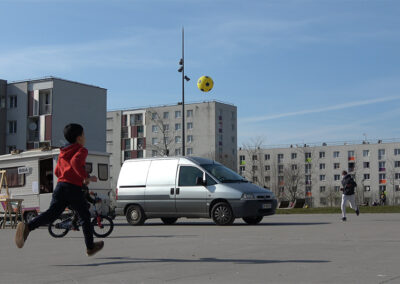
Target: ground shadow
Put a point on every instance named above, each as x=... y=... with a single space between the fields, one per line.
x=233 y=225
x=128 y=260
x=129 y=237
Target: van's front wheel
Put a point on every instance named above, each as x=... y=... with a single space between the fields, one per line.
x=135 y=215
x=253 y=220
x=222 y=214
x=169 y=220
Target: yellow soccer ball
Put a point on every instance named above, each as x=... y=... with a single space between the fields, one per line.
x=205 y=83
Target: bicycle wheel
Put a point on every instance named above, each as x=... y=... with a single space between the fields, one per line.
x=102 y=226
x=58 y=228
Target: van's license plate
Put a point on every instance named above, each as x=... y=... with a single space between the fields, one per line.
x=266 y=206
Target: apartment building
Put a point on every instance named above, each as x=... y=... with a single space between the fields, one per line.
x=210 y=131
x=34 y=112
x=314 y=172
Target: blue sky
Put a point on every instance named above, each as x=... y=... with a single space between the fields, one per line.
x=298 y=71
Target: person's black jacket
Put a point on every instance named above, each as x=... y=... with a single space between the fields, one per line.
x=348 y=184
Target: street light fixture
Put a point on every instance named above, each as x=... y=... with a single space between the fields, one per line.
x=184 y=77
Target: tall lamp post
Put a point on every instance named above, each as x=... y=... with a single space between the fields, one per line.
x=184 y=77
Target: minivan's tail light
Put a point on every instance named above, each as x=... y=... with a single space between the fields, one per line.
x=116 y=193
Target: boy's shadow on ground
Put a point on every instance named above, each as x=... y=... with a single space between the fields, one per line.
x=130 y=260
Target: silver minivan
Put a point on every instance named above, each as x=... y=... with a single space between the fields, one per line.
x=191 y=187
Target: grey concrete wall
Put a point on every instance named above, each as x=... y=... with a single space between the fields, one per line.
x=3 y=117
x=83 y=104
x=19 y=114
x=114 y=145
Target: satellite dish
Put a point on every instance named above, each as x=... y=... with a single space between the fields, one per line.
x=32 y=126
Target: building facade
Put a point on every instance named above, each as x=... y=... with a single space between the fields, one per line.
x=210 y=131
x=314 y=172
x=34 y=113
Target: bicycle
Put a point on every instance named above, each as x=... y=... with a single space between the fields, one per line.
x=102 y=225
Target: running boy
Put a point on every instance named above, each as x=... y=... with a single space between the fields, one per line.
x=71 y=174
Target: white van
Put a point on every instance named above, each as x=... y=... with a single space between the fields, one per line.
x=191 y=187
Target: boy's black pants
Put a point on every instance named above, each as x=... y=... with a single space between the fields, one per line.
x=66 y=194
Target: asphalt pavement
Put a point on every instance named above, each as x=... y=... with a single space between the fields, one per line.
x=282 y=249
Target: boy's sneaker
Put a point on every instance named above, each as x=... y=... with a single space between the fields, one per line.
x=358 y=212
x=344 y=219
x=21 y=234
x=96 y=248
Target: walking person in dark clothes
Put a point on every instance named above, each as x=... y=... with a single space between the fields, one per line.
x=348 y=189
x=71 y=174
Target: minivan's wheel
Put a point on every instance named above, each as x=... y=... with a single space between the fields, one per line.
x=135 y=215
x=169 y=220
x=30 y=215
x=222 y=214
x=253 y=220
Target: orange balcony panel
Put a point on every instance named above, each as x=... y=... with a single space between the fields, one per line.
x=352 y=158
x=382 y=181
x=308 y=193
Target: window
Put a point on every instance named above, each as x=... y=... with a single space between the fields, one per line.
x=254 y=157
x=382 y=166
x=267 y=167
x=350 y=154
x=178 y=139
x=178 y=152
x=322 y=189
x=336 y=177
x=336 y=154
x=336 y=165
x=12 y=127
x=89 y=168
x=140 y=129
x=154 y=115
x=255 y=179
x=294 y=156
x=255 y=168
x=322 y=166
x=177 y=126
x=307 y=168
x=166 y=115
x=154 y=141
x=280 y=179
x=396 y=152
x=322 y=154
x=3 y=102
x=381 y=154
x=365 y=153
x=366 y=176
x=322 y=177
x=336 y=188
x=154 y=129
x=267 y=157
x=13 y=178
x=13 y=101
x=242 y=160
x=294 y=167
x=242 y=169
x=396 y=164
x=397 y=188
x=280 y=158
x=188 y=176
x=189 y=113
x=322 y=201
x=397 y=175
x=367 y=188
x=189 y=151
x=127 y=144
x=382 y=176
x=177 y=114
x=189 y=138
x=382 y=188
x=267 y=178
x=103 y=172
x=366 y=165
x=280 y=169
x=166 y=127
x=190 y=125
x=154 y=153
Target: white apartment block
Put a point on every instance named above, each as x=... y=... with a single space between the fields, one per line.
x=33 y=113
x=314 y=172
x=210 y=131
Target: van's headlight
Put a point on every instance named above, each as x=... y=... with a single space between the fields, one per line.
x=248 y=196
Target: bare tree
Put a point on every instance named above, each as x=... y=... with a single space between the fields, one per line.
x=294 y=181
x=167 y=136
x=253 y=150
x=331 y=194
x=391 y=177
x=310 y=162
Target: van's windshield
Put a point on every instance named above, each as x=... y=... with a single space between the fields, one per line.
x=223 y=174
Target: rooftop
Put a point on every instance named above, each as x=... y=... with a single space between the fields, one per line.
x=48 y=78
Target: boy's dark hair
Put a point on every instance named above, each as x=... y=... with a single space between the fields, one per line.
x=344 y=173
x=72 y=131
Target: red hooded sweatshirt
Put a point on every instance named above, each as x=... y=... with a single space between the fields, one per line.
x=71 y=164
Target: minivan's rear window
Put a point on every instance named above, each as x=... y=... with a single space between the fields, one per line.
x=103 y=171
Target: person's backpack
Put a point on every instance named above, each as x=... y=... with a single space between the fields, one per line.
x=350 y=186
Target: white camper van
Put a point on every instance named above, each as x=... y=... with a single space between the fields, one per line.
x=30 y=176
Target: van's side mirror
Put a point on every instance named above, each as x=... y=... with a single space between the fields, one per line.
x=200 y=181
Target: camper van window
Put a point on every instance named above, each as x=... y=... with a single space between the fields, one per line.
x=103 y=171
x=188 y=175
x=14 y=179
x=89 y=168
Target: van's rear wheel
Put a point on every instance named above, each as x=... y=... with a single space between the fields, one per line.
x=169 y=220
x=135 y=215
x=253 y=220
x=222 y=214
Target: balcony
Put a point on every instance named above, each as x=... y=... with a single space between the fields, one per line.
x=352 y=158
x=382 y=169
x=382 y=181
